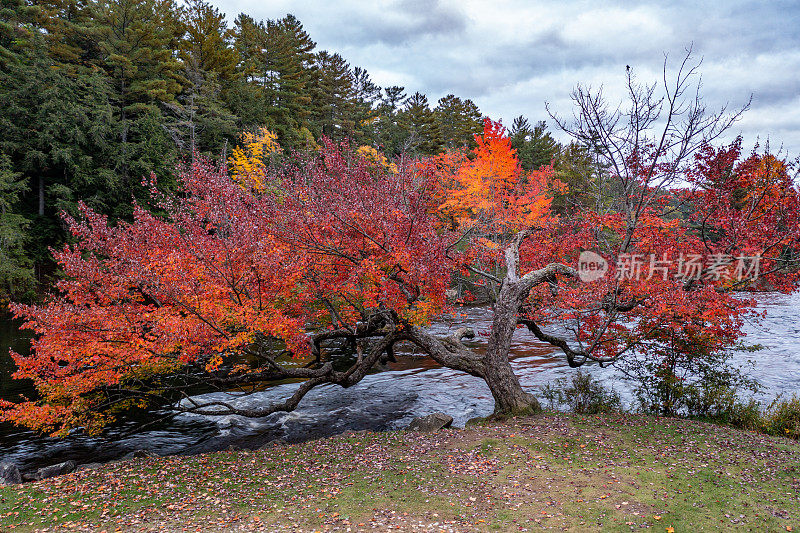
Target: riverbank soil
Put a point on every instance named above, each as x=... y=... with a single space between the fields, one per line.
x=551 y=471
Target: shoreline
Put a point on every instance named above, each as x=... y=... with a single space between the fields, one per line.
x=573 y=472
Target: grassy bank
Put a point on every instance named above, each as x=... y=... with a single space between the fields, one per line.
x=585 y=473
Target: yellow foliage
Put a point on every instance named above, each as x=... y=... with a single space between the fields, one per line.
x=374 y=156
x=248 y=165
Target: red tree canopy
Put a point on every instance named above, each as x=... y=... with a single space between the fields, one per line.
x=241 y=281
x=230 y=270
x=673 y=256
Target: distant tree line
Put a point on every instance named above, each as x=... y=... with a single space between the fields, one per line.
x=98 y=94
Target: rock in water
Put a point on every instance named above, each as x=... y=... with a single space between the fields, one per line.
x=138 y=454
x=56 y=470
x=9 y=474
x=274 y=443
x=432 y=422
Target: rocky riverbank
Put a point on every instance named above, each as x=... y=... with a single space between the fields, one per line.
x=615 y=472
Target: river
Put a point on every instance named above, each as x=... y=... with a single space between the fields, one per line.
x=387 y=399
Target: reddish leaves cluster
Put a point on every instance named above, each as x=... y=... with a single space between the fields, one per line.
x=352 y=250
x=226 y=269
x=738 y=218
x=368 y=233
x=747 y=207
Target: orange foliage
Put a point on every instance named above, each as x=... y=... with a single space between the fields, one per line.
x=492 y=191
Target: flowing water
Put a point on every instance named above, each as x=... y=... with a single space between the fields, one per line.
x=387 y=399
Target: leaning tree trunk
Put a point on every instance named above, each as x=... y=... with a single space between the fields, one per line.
x=509 y=396
x=494 y=367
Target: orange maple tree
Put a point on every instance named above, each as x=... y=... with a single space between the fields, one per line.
x=490 y=189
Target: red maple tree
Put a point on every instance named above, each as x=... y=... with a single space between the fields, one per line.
x=236 y=285
x=223 y=290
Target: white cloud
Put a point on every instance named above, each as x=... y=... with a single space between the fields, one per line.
x=616 y=29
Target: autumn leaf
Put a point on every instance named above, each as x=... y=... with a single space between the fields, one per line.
x=248 y=160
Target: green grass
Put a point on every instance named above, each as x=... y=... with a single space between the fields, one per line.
x=582 y=473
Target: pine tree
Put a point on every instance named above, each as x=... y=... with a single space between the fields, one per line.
x=16 y=19
x=200 y=120
x=458 y=122
x=589 y=185
x=277 y=62
x=387 y=130
x=421 y=129
x=334 y=97
x=245 y=96
x=136 y=40
x=16 y=271
x=55 y=124
x=534 y=145
x=298 y=69
x=394 y=97
x=207 y=42
x=366 y=96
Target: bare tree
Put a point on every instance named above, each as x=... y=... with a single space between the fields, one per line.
x=647 y=141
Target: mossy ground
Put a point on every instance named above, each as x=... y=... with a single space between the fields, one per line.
x=549 y=471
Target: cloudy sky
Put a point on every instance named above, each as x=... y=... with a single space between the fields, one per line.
x=510 y=57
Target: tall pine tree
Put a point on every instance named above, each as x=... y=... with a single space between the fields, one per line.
x=137 y=40
x=335 y=110
x=421 y=130
x=200 y=120
x=458 y=122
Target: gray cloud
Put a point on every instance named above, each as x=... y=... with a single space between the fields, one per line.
x=511 y=56
x=397 y=24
